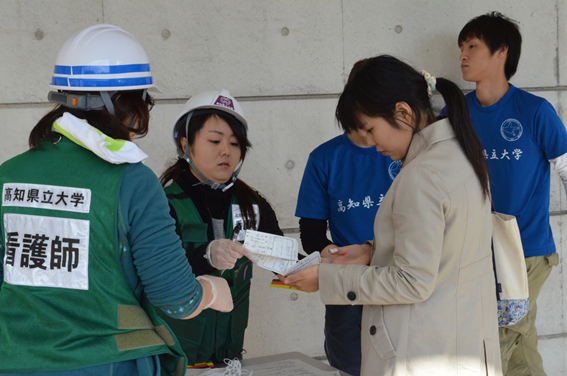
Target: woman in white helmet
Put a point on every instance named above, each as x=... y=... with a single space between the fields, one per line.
x=213 y=209
x=88 y=243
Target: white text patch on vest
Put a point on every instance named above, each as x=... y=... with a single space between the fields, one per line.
x=46 y=251
x=47 y=197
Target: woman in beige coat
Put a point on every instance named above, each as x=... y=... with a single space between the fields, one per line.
x=426 y=283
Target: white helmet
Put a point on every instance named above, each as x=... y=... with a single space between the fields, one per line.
x=215 y=100
x=102 y=58
x=208 y=102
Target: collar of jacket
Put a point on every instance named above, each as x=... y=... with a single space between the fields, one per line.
x=436 y=132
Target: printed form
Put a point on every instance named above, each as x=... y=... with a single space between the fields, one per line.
x=277 y=253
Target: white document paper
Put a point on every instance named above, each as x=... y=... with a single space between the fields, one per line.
x=312 y=259
x=266 y=244
x=272 y=252
x=277 y=253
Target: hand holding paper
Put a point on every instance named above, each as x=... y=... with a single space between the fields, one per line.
x=225 y=253
x=312 y=259
x=276 y=253
x=305 y=280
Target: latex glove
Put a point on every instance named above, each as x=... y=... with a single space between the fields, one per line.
x=221 y=298
x=223 y=253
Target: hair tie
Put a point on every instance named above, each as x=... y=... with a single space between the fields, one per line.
x=431 y=81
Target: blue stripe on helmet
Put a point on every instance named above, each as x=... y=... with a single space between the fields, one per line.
x=110 y=69
x=117 y=82
x=59 y=81
x=62 y=69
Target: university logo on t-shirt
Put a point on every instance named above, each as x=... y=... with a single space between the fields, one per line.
x=394 y=169
x=511 y=130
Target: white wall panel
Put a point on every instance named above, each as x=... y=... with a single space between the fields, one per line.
x=553 y=353
x=562 y=41
x=550 y=307
x=17 y=123
x=283 y=133
x=283 y=320
x=31 y=34
x=562 y=296
x=238 y=45
x=429 y=32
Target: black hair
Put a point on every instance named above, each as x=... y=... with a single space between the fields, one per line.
x=129 y=106
x=384 y=81
x=349 y=127
x=497 y=31
x=245 y=195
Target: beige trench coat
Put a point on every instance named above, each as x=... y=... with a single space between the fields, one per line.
x=429 y=293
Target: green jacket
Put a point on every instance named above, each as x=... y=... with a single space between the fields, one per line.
x=65 y=301
x=211 y=331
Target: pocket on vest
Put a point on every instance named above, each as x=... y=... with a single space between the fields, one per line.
x=194 y=233
x=195 y=335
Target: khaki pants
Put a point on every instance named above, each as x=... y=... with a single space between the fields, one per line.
x=518 y=343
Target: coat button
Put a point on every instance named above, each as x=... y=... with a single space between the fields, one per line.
x=351 y=296
x=372 y=330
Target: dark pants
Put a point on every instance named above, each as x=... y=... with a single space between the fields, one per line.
x=342 y=337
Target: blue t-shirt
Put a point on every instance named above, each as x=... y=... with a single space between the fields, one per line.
x=345 y=184
x=520 y=134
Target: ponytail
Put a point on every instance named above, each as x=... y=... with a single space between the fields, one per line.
x=383 y=81
x=459 y=117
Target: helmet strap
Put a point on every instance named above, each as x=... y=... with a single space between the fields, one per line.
x=106 y=98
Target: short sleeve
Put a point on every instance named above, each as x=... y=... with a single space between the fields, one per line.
x=313 y=198
x=550 y=133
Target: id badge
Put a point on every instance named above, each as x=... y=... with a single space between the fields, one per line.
x=237 y=218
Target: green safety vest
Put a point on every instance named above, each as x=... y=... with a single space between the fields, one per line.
x=211 y=331
x=77 y=311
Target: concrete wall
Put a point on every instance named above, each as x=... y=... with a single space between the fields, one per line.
x=286 y=60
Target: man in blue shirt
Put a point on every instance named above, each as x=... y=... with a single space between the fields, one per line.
x=522 y=136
